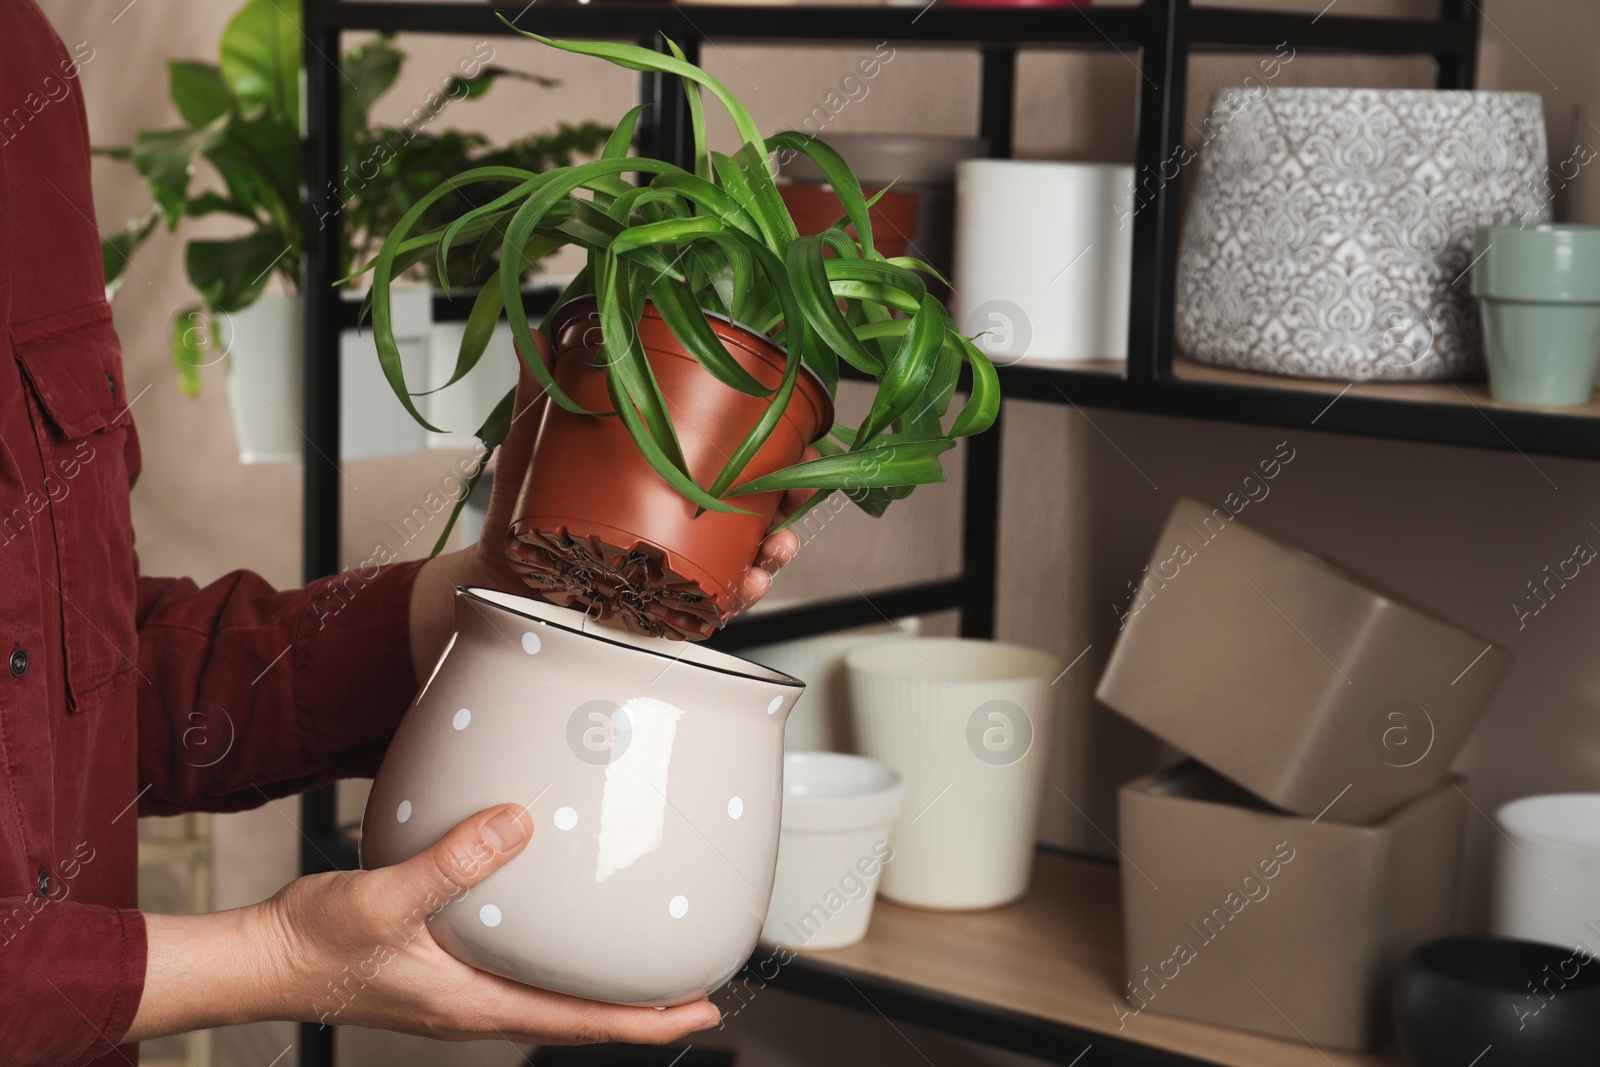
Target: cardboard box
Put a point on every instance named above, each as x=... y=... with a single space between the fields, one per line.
x=1240 y=915
x=1310 y=688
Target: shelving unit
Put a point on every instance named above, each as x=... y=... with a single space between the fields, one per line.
x=1035 y=978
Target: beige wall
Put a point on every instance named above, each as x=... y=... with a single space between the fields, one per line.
x=1456 y=529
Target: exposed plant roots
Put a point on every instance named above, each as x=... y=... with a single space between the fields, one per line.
x=633 y=585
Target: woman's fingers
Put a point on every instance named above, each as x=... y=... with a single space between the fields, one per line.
x=553 y=1018
x=466 y=855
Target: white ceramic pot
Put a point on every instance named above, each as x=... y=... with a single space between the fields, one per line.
x=264 y=348
x=820 y=721
x=653 y=771
x=968 y=725
x=1329 y=227
x=1043 y=256
x=1547 y=870
x=837 y=811
x=461 y=408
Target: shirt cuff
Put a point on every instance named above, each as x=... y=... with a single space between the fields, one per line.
x=71 y=978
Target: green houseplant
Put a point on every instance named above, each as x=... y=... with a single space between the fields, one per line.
x=241 y=115
x=694 y=358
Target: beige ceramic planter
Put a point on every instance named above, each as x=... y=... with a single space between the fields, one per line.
x=1239 y=915
x=653 y=771
x=1305 y=685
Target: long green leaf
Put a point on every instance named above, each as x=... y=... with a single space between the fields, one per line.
x=907 y=374
x=633 y=57
x=520 y=229
x=627 y=365
x=697 y=116
x=481 y=321
x=679 y=310
x=808 y=274
x=837 y=172
x=890 y=463
x=708 y=198
x=384 y=270
x=983 y=405
x=748 y=178
x=663 y=465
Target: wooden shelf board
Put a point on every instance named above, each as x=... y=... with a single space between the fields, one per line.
x=1055 y=955
x=1453 y=393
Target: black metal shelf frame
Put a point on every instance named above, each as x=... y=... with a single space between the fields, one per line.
x=1163 y=33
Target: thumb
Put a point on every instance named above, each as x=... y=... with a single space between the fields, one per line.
x=466 y=855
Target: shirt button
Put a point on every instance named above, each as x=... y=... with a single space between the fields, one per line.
x=44 y=882
x=111 y=383
x=19 y=663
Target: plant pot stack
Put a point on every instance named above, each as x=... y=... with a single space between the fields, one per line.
x=1276 y=882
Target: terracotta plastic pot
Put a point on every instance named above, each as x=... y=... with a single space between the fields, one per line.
x=816 y=207
x=599 y=530
x=653 y=771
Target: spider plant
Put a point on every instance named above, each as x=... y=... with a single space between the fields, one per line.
x=714 y=238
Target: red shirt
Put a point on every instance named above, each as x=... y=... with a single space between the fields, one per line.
x=122 y=695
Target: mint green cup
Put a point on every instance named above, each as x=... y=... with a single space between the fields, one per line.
x=1539 y=291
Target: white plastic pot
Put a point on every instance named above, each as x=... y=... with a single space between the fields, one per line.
x=265 y=355
x=1547 y=870
x=461 y=408
x=968 y=724
x=820 y=722
x=1043 y=259
x=837 y=811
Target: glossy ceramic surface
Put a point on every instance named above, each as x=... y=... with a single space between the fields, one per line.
x=653 y=771
x=1533 y=1005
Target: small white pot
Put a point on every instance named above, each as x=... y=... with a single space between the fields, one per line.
x=1043 y=255
x=837 y=811
x=264 y=347
x=462 y=407
x=1547 y=870
x=820 y=721
x=968 y=724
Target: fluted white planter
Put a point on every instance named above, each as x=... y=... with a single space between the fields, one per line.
x=968 y=725
x=820 y=721
x=1330 y=228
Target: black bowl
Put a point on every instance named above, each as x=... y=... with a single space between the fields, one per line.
x=1495 y=1002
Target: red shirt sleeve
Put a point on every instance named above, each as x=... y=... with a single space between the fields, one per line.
x=84 y=966
x=257 y=693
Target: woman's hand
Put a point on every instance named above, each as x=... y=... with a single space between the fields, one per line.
x=356 y=949
x=484 y=564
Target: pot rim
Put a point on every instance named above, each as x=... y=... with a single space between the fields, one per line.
x=841 y=812
x=1521 y=818
x=688 y=653
x=590 y=302
x=1434 y=958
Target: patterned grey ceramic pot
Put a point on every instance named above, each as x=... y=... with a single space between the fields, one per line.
x=654 y=774
x=1329 y=227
